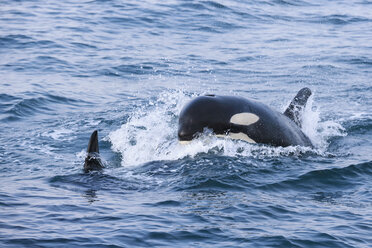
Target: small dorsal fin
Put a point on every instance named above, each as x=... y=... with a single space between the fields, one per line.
x=93 y=143
x=93 y=161
x=296 y=107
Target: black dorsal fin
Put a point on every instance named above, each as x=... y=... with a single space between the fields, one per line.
x=93 y=143
x=93 y=161
x=296 y=107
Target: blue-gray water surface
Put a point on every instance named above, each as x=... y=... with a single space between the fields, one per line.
x=126 y=68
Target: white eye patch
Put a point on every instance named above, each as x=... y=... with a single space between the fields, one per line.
x=244 y=119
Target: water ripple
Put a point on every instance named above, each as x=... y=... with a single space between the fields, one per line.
x=335 y=178
x=15 y=108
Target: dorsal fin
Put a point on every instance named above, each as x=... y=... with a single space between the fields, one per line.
x=296 y=107
x=93 y=143
x=93 y=161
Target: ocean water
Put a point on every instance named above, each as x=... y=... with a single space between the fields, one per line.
x=126 y=68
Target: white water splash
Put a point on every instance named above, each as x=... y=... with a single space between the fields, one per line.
x=151 y=134
x=58 y=134
x=317 y=130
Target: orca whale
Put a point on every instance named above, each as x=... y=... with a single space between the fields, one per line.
x=93 y=161
x=244 y=119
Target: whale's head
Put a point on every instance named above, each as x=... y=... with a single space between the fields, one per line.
x=202 y=112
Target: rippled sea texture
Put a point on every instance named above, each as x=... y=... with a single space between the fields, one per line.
x=127 y=68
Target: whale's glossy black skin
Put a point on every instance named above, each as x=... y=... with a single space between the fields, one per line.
x=214 y=112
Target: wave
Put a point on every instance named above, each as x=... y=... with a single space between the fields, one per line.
x=340 y=19
x=19 y=41
x=96 y=182
x=40 y=64
x=15 y=108
x=326 y=179
x=359 y=126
